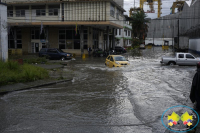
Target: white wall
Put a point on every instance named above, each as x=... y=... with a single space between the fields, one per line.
x=3 y=33
x=194 y=44
x=158 y=41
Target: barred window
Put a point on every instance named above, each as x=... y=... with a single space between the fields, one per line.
x=53 y=10
x=112 y=10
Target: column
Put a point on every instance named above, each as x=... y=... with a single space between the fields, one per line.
x=107 y=45
x=82 y=40
x=113 y=39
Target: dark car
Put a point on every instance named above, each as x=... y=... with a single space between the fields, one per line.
x=120 y=49
x=54 y=53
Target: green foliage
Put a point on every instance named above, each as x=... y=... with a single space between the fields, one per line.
x=35 y=60
x=139 y=24
x=13 y=72
x=136 y=42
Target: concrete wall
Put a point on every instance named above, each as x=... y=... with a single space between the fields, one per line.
x=3 y=33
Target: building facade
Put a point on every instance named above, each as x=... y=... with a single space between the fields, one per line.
x=124 y=36
x=71 y=25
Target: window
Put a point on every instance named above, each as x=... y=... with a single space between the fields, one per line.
x=20 y=10
x=189 y=56
x=125 y=32
x=111 y=58
x=53 y=10
x=52 y=51
x=11 y=40
x=35 y=33
x=119 y=31
x=129 y=33
x=62 y=44
x=181 y=56
x=40 y=10
x=20 y=13
x=10 y=11
x=117 y=14
x=112 y=10
x=116 y=31
x=68 y=39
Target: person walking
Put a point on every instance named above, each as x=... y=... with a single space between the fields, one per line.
x=195 y=89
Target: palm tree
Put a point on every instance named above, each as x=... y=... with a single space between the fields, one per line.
x=139 y=24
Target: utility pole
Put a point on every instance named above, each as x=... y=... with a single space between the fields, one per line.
x=178 y=35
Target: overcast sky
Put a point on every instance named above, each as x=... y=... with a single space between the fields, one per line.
x=166 y=4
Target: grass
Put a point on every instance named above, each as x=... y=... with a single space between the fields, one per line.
x=12 y=72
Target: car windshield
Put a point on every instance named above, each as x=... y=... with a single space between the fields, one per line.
x=119 y=58
x=60 y=50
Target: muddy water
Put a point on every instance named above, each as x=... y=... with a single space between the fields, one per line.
x=101 y=99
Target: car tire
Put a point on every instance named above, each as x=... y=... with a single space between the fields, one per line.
x=113 y=66
x=62 y=58
x=171 y=63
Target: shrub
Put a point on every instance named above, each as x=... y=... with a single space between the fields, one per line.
x=12 y=72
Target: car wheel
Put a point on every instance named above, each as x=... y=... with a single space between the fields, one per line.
x=62 y=58
x=113 y=66
x=105 y=64
x=172 y=63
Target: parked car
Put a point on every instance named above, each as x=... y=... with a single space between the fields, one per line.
x=116 y=61
x=98 y=52
x=54 y=53
x=180 y=59
x=120 y=49
x=142 y=46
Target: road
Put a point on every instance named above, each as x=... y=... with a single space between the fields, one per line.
x=100 y=99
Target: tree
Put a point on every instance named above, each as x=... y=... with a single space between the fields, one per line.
x=139 y=25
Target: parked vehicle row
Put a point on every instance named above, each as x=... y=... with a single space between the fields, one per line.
x=180 y=59
x=54 y=53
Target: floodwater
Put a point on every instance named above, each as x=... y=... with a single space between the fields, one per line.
x=131 y=99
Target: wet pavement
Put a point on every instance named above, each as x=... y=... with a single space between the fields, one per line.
x=131 y=99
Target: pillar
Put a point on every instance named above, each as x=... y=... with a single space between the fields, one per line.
x=113 y=39
x=107 y=45
x=82 y=40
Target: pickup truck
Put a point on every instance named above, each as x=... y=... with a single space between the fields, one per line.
x=180 y=59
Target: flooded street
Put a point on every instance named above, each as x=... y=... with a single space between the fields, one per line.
x=99 y=99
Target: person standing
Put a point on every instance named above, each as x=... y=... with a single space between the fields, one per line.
x=89 y=50
x=195 y=89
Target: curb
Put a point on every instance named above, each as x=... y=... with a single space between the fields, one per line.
x=36 y=86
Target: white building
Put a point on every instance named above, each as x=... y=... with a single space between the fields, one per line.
x=124 y=36
x=59 y=19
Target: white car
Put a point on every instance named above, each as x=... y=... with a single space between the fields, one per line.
x=180 y=59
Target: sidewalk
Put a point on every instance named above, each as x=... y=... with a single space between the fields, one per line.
x=39 y=83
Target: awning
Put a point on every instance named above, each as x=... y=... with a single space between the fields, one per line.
x=118 y=38
x=127 y=38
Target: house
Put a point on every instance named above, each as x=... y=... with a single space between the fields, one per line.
x=124 y=36
x=71 y=25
